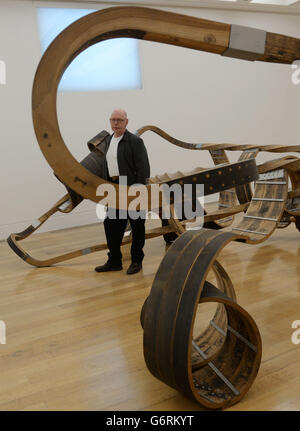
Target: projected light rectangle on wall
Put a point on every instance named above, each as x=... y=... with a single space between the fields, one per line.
x=110 y=65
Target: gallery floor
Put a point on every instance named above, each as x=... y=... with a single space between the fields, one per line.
x=74 y=339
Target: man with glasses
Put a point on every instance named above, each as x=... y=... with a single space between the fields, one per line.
x=125 y=155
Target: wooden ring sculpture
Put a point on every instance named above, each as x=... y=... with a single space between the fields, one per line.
x=229 y=353
x=230 y=357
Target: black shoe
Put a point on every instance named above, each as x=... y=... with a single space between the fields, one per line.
x=108 y=266
x=134 y=268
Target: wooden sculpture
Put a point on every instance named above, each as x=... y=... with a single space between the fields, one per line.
x=227 y=355
x=214 y=180
x=217 y=366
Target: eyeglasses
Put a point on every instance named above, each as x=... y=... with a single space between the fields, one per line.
x=117 y=120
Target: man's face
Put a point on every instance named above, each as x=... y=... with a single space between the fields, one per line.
x=118 y=122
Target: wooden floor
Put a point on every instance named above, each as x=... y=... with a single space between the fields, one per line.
x=74 y=340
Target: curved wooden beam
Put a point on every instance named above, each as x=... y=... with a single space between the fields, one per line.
x=13 y=240
x=213 y=147
x=139 y=23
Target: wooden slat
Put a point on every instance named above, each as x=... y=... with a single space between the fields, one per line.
x=226 y=197
x=281 y=49
x=265 y=210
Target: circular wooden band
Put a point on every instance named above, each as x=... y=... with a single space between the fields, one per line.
x=168 y=318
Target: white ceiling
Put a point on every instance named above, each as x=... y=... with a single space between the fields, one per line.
x=293 y=8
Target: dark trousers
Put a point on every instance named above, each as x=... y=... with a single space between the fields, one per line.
x=114 y=231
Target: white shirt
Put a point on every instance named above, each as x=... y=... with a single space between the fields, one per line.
x=112 y=156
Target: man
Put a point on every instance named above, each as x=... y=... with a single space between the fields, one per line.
x=125 y=155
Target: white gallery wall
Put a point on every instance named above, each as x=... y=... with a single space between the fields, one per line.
x=194 y=96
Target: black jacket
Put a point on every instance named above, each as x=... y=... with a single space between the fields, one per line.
x=132 y=159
